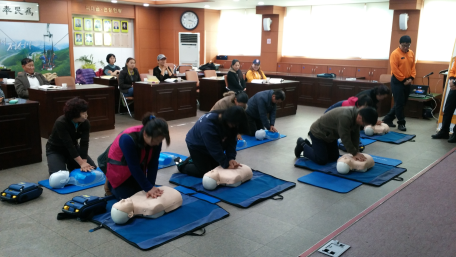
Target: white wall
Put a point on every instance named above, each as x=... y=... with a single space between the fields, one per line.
x=100 y=53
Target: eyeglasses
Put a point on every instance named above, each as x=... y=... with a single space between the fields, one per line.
x=405 y=46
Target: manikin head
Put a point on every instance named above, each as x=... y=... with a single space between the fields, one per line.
x=122 y=211
x=346 y=163
x=227 y=177
x=262 y=134
x=59 y=179
x=376 y=130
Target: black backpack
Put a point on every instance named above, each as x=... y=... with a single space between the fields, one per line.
x=207 y=66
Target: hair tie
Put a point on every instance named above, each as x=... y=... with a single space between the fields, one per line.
x=151 y=117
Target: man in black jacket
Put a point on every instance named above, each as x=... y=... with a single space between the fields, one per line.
x=261 y=105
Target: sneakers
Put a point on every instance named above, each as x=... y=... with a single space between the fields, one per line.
x=300 y=146
x=441 y=135
x=452 y=138
x=402 y=127
x=389 y=123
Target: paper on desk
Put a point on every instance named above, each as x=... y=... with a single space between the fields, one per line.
x=170 y=80
x=350 y=79
x=258 y=81
x=217 y=78
x=107 y=77
x=275 y=81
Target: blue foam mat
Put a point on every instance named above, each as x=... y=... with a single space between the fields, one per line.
x=183 y=157
x=367 y=141
x=261 y=187
x=326 y=181
x=252 y=141
x=376 y=176
x=146 y=234
x=68 y=188
x=390 y=137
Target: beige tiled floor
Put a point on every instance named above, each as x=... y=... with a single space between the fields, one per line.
x=271 y=228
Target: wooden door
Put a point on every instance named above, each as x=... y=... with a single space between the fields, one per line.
x=306 y=93
x=376 y=72
x=295 y=68
x=323 y=95
x=318 y=69
x=348 y=72
x=336 y=70
x=307 y=68
x=363 y=73
x=282 y=67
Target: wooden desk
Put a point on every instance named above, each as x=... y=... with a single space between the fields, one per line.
x=211 y=90
x=169 y=101
x=287 y=107
x=20 y=142
x=114 y=83
x=99 y=97
x=414 y=107
x=9 y=90
x=201 y=74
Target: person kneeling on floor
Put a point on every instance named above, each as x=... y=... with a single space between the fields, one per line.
x=343 y=123
x=261 y=105
x=212 y=141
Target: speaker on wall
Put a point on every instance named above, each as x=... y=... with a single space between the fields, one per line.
x=403 y=19
x=267 y=24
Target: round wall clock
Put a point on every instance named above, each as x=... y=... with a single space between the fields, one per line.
x=189 y=20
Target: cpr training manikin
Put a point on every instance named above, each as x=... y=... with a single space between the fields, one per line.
x=77 y=177
x=139 y=205
x=347 y=163
x=381 y=129
x=227 y=177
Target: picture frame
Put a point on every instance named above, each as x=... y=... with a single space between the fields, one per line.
x=88 y=24
x=88 y=39
x=98 y=39
x=107 y=39
x=78 y=38
x=107 y=25
x=77 y=23
x=97 y=25
x=124 y=26
x=115 y=25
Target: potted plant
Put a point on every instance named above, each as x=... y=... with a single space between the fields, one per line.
x=89 y=63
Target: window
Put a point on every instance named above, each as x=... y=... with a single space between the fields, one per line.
x=436 y=35
x=239 y=32
x=338 y=31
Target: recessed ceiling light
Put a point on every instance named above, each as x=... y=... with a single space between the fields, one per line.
x=146 y=5
x=206 y=6
x=113 y=1
x=260 y=3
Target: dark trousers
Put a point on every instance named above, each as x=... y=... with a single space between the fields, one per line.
x=401 y=95
x=254 y=125
x=321 y=152
x=125 y=190
x=448 y=111
x=59 y=159
x=197 y=164
x=338 y=104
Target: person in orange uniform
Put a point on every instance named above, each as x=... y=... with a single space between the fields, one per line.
x=402 y=61
x=254 y=72
x=450 y=107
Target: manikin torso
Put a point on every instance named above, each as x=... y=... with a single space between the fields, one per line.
x=347 y=163
x=376 y=130
x=227 y=177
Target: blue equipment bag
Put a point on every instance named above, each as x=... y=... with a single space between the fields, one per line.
x=21 y=192
x=83 y=207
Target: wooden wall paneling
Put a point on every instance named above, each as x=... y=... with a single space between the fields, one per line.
x=282 y=67
x=363 y=72
x=342 y=91
x=348 y=72
x=295 y=68
x=103 y=9
x=338 y=70
x=289 y=106
x=376 y=72
x=323 y=93
x=405 y=4
x=307 y=68
x=320 y=69
x=337 y=62
x=186 y=106
x=307 y=91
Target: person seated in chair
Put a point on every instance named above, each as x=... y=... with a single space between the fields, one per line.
x=134 y=156
x=343 y=123
x=358 y=102
x=377 y=94
x=254 y=72
x=63 y=151
x=111 y=69
x=212 y=141
x=128 y=76
x=28 y=79
x=260 y=106
x=235 y=78
x=163 y=72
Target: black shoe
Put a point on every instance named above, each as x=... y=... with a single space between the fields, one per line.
x=390 y=124
x=177 y=160
x=307 y=142
x=441 y=135
x=402 y=127
x=299 y=147
x=452 y=138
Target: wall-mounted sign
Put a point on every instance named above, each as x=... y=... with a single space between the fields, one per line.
x=102 y=9
x=19 y=11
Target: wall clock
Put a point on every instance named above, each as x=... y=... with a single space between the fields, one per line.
x=189 y=20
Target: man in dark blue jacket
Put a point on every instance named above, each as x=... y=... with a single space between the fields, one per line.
x=261 y=105
x=212 y=141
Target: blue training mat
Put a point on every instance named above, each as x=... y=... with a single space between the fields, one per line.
x=146 y=234
x=390 y=137
x=164 y=161
x=69 y=188
x=367 y=141
x=252 y=141
x=261 y=187
x=375 y=176
x=333 y=183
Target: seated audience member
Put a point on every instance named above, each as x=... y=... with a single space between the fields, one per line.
x=358 y=102
x=230 y=99
x=235 y=78
x=255 y=72
x=261 y=105
x=133 y=158
x=162 y=71
x=212 y=141
x=128 y=76
x=450 y=106
x=111 y=69
x=28 y=79
x=343 y=123
x=63 y=151
x=377 y=94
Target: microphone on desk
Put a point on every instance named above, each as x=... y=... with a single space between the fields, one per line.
x=428 y=75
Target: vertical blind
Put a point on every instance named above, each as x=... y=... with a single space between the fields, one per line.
x=436 y=33
x=338 y=31
x=239 y=32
